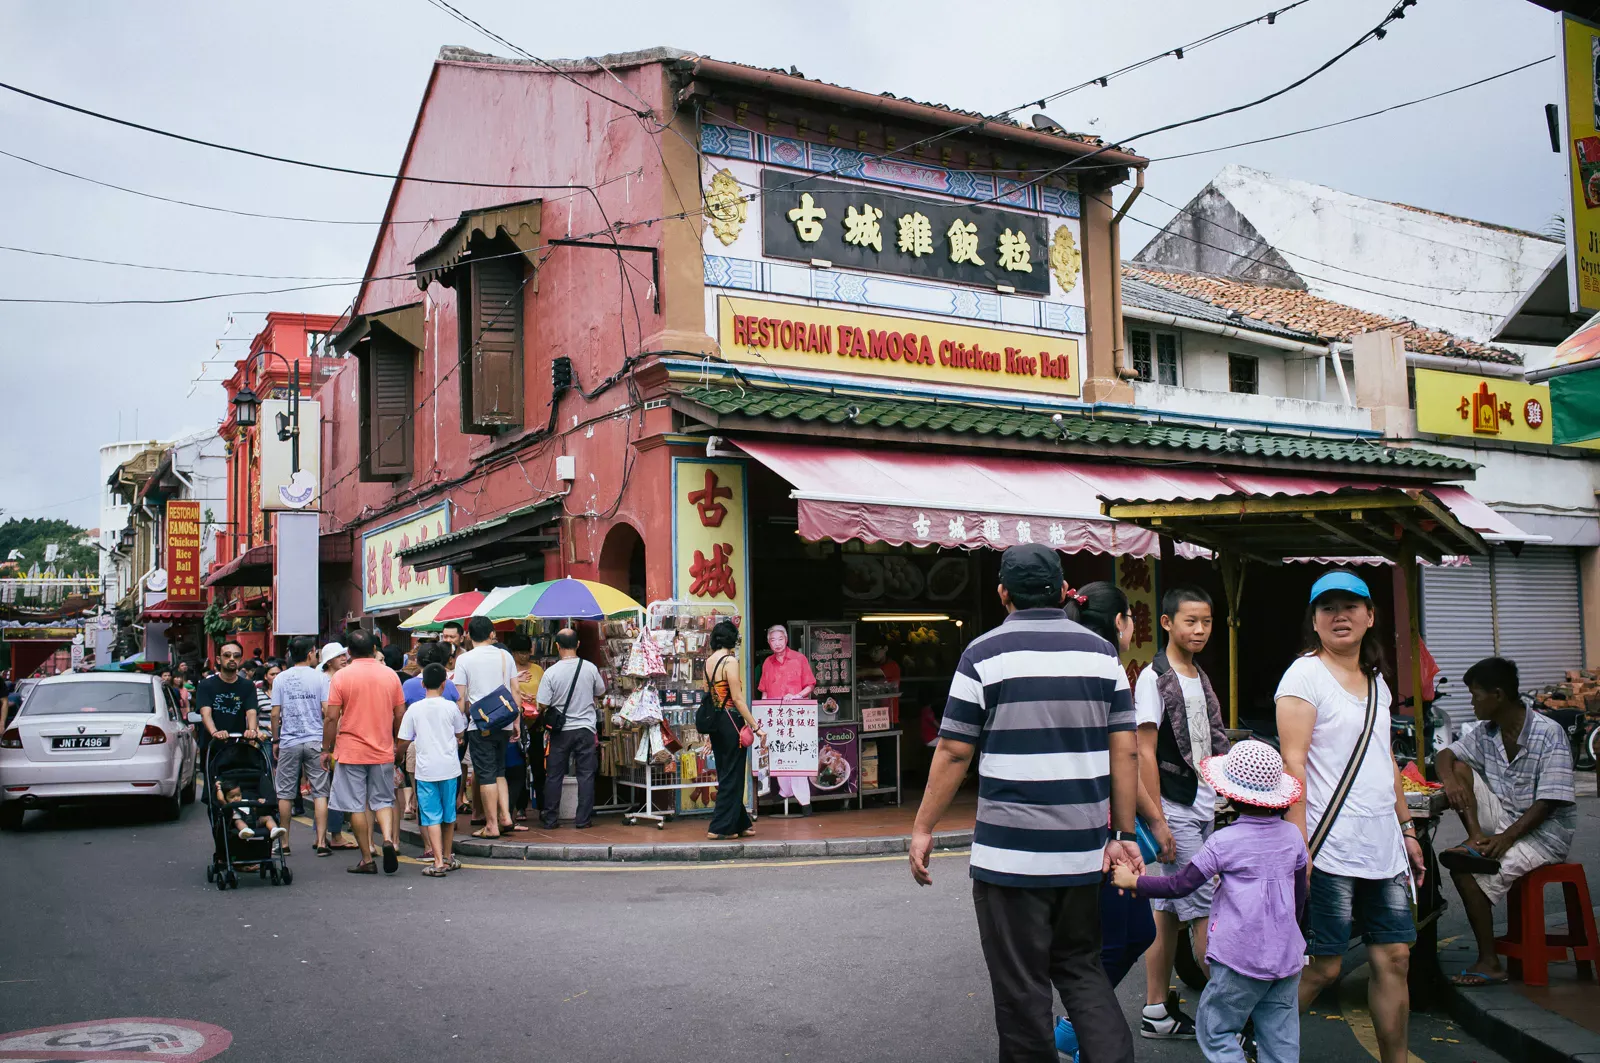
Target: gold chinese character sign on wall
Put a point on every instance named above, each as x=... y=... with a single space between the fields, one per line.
x=726 y=208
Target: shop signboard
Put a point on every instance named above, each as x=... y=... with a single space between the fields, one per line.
x=386 y=583
x=838 y=760
x=710 y=536
x=915 y=350
x=1136 y=577
x=791 y=728
x=831 y=649
x=281 y=487
x=1480 y=407
x=183 y=550
x=1580 y=51
x=875 y=718
x=913 y=236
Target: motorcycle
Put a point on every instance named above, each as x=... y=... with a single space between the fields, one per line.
x=1403 y=729
x=1582 y=730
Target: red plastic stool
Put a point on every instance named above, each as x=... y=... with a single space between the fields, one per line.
x=1526 y=947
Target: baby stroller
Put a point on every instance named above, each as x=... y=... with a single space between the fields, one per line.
x=234 y=762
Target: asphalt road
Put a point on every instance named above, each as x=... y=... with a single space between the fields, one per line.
x=108 y=915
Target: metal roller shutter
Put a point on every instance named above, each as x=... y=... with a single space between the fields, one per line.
x=1458 y=628
x=1541 y=615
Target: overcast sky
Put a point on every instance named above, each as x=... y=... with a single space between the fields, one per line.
x=341 y=82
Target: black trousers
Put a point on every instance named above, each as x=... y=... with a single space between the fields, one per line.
x=517 y=783
x=578 y=747
x=1034 y=939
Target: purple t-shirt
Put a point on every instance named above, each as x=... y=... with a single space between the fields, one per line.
x=1254 y=925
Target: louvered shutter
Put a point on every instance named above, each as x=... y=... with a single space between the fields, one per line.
x=495 y=355
x=1540 y=611
x=1458 y=627
x=387 y=409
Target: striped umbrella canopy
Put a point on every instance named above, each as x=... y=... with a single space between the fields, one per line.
x=576 y=599
x=490 y=605
x=432 y=616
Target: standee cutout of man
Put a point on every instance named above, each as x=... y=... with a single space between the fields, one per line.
x=787 y=676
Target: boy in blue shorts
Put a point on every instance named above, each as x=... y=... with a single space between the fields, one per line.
x=434 y=725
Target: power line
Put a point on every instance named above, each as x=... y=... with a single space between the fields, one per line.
x=265 y=155
x=170 y=269
x=1356 y=118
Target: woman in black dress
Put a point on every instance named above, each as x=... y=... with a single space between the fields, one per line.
x=719 y=720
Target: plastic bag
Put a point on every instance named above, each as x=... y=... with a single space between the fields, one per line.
x=644 y=659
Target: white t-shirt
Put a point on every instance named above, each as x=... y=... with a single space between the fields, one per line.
x=1365 y=841
x=1147 y=708
x=431 y=725
x=483 y=668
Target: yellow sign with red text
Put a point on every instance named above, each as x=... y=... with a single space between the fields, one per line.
x=183 y=551
x=1460 y=404
x=921 y=350
x=710 y=534
x=386 y=582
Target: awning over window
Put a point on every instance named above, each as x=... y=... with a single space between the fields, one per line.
x=516 y=222
x=950 y=498
x=166 y=611
x=407 y=322
x=509 y=540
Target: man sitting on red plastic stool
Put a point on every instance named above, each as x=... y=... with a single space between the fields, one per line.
x=787 y=676
x=1510 y=780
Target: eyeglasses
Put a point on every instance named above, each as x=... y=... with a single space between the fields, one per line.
x=232 y=656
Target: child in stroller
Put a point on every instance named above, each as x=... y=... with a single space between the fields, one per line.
x=250 y=800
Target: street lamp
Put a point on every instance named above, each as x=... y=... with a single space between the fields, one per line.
x=246 y=405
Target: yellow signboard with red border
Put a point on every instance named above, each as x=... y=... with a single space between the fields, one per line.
x=1580 y=53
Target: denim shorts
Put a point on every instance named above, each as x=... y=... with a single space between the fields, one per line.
x=1378 y=908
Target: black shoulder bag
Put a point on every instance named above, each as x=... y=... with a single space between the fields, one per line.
x=555 y=720
x=705 y=715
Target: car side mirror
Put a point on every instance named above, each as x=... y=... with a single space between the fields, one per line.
x=195 y=717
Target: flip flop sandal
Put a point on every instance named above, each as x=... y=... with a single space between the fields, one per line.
x=363 y=869
x=322 y=850
x=1477 y=979
x=1469 y=861
x=433 y=871
x=483 y=834
x=515 y=828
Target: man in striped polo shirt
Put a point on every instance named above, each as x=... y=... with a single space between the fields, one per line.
x=1045 y=705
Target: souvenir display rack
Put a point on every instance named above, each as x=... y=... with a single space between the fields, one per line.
x=666 y=783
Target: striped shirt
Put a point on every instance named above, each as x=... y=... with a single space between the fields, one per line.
x=1542 y=771
x=1039 y=695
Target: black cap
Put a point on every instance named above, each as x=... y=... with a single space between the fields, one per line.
x=1032 y=570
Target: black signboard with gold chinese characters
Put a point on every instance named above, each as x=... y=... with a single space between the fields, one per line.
x=849 y=225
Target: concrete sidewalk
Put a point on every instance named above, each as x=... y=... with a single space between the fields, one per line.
x=1554 y=1024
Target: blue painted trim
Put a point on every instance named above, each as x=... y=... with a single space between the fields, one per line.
x=735 y=143
x=865 y=384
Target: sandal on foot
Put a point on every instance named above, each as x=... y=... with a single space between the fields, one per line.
x=484 y=833
x=322 y=850
x=1470 y=979
x=1465 y=859
x=391 y=859
x=514 y=828
x=368 y=868
x=434 y=871
x=452 y=864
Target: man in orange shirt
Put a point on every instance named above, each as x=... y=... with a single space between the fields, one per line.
x=363 y=712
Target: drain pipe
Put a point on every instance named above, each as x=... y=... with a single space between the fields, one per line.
x=1119 y=344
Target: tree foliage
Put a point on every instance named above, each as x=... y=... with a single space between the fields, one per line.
x=32 y=534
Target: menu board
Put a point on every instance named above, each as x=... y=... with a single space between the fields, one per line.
x=791 y=728
x=838 y=760
x=831 y=648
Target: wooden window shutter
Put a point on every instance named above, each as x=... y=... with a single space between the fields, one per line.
x=388 y=405
x=492 y=381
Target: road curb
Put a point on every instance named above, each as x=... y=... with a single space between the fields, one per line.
x=1510 y=1023
x=692 y=852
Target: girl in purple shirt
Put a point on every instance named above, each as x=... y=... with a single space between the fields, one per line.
x=1255 y=948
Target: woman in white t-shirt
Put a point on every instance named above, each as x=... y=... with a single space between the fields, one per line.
x=1361 y=876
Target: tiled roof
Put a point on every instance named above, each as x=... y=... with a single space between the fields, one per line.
x=1147 y=296
x=1308 y=314
x=969 y=418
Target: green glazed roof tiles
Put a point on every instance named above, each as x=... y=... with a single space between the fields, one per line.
x=972 y=419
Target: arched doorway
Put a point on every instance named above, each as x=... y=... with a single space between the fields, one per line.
x=622 y=561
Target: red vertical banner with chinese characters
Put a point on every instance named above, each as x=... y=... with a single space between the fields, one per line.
x=183 y=551
x=1136 y=577
x=710 y=534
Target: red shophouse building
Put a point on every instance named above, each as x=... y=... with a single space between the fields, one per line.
x=240 y=579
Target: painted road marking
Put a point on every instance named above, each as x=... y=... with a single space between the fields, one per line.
x=117 y=1041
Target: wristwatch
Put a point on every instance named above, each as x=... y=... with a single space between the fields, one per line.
x=1124 y=836
x=1408 y=827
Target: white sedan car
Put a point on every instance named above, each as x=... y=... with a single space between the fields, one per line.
x=94 y=735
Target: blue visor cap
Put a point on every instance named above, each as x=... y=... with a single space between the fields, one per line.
x=1348 y=582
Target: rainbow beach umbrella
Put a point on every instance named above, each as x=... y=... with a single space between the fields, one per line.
x=432 y=616
x=559 y=599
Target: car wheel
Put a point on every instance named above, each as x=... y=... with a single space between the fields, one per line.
x=186 y=794
x=170 y=808
x=11 y=814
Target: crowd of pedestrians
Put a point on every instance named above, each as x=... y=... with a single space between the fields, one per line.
x=1097 y=801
